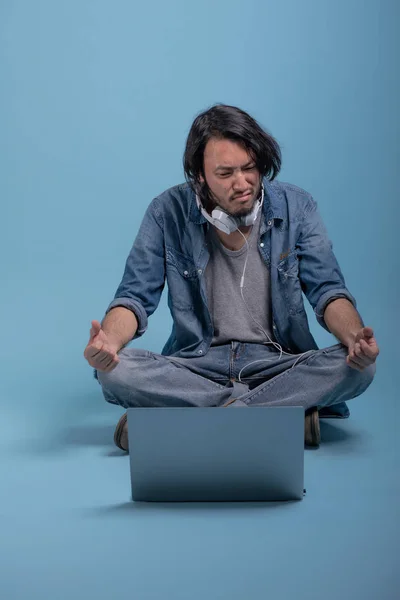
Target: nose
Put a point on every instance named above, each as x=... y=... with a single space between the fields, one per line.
x=239 y=182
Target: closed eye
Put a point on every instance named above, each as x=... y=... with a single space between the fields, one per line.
x=229 y=173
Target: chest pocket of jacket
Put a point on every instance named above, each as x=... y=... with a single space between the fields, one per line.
x=288 y=273
x=182 y=280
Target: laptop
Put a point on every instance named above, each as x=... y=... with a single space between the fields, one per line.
x=216 y=455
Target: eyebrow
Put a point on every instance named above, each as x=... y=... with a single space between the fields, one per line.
x=227 y=168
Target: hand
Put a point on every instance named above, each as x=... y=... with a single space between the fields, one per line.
x=363 y=350
x=99 y=352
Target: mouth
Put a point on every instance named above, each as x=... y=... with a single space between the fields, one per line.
x=243 y=198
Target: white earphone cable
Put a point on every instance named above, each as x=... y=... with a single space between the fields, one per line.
x=258 y=324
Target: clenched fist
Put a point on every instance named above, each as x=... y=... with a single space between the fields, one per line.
x=99 y=352
x=363 y=351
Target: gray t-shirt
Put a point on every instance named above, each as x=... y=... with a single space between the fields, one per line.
x=230 y=317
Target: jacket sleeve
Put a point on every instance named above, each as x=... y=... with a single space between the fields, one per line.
x=321 y=278
x=144 y=275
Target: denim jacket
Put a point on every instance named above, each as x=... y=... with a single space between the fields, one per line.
x=170 y=248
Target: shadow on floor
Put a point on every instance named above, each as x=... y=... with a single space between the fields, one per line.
x=332 y=433
x=89 y=435
x=141 y=508
x=102 y=435
x=60 y=439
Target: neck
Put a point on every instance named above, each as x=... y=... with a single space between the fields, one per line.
x=234 y=241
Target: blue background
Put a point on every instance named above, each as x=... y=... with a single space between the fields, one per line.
x=96 y=100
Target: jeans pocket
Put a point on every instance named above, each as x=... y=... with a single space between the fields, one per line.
x=335 y=348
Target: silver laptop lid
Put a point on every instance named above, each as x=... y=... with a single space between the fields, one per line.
x=216 y=454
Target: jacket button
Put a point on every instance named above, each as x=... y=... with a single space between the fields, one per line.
x=199 y=271
x=262 y=244
x=200 y=352
x=186 y=273
x=269 y=222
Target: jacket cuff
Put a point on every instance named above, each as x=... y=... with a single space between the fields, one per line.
x=326 y=299
x=138 y=311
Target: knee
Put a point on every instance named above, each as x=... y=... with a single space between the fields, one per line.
x=368 y=374
x=115 y=387
x=112 y=379
x=123 y=383
x=129 y=361
x=361 y=380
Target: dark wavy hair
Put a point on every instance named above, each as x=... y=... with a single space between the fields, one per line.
x=222 y=121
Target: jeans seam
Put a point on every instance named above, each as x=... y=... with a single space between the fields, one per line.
x=218 y=385
x=261 y=389
x=268 y=384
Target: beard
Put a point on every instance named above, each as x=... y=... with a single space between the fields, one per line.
x=210 y=201
x=243 y=212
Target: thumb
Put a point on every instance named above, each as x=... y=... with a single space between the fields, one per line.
x=95 y=330
x=368 y=333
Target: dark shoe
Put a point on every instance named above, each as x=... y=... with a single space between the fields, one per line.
x=312 y=434
x=121 y=433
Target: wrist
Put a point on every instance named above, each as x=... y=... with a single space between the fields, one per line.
x=114 y=343
x=350 y=338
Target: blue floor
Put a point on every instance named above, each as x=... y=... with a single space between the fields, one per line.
x=96 y=100
x=69 y=529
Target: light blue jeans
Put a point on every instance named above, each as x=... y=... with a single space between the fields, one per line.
x=319 y=378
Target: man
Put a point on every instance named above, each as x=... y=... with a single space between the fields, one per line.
x=237 y=249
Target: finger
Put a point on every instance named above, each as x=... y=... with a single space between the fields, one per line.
x=353 y=358
x=356 y=367
x=93 y=350
x=105 y=363
x=353 y=352
x=353 y=365
x=112 y=366
x=112 y=362
x=364 y=362
x=95 y=330
x=109 y=364
x=359 y=353
x=368 y=332
x=104 y=357
x=369 y=351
